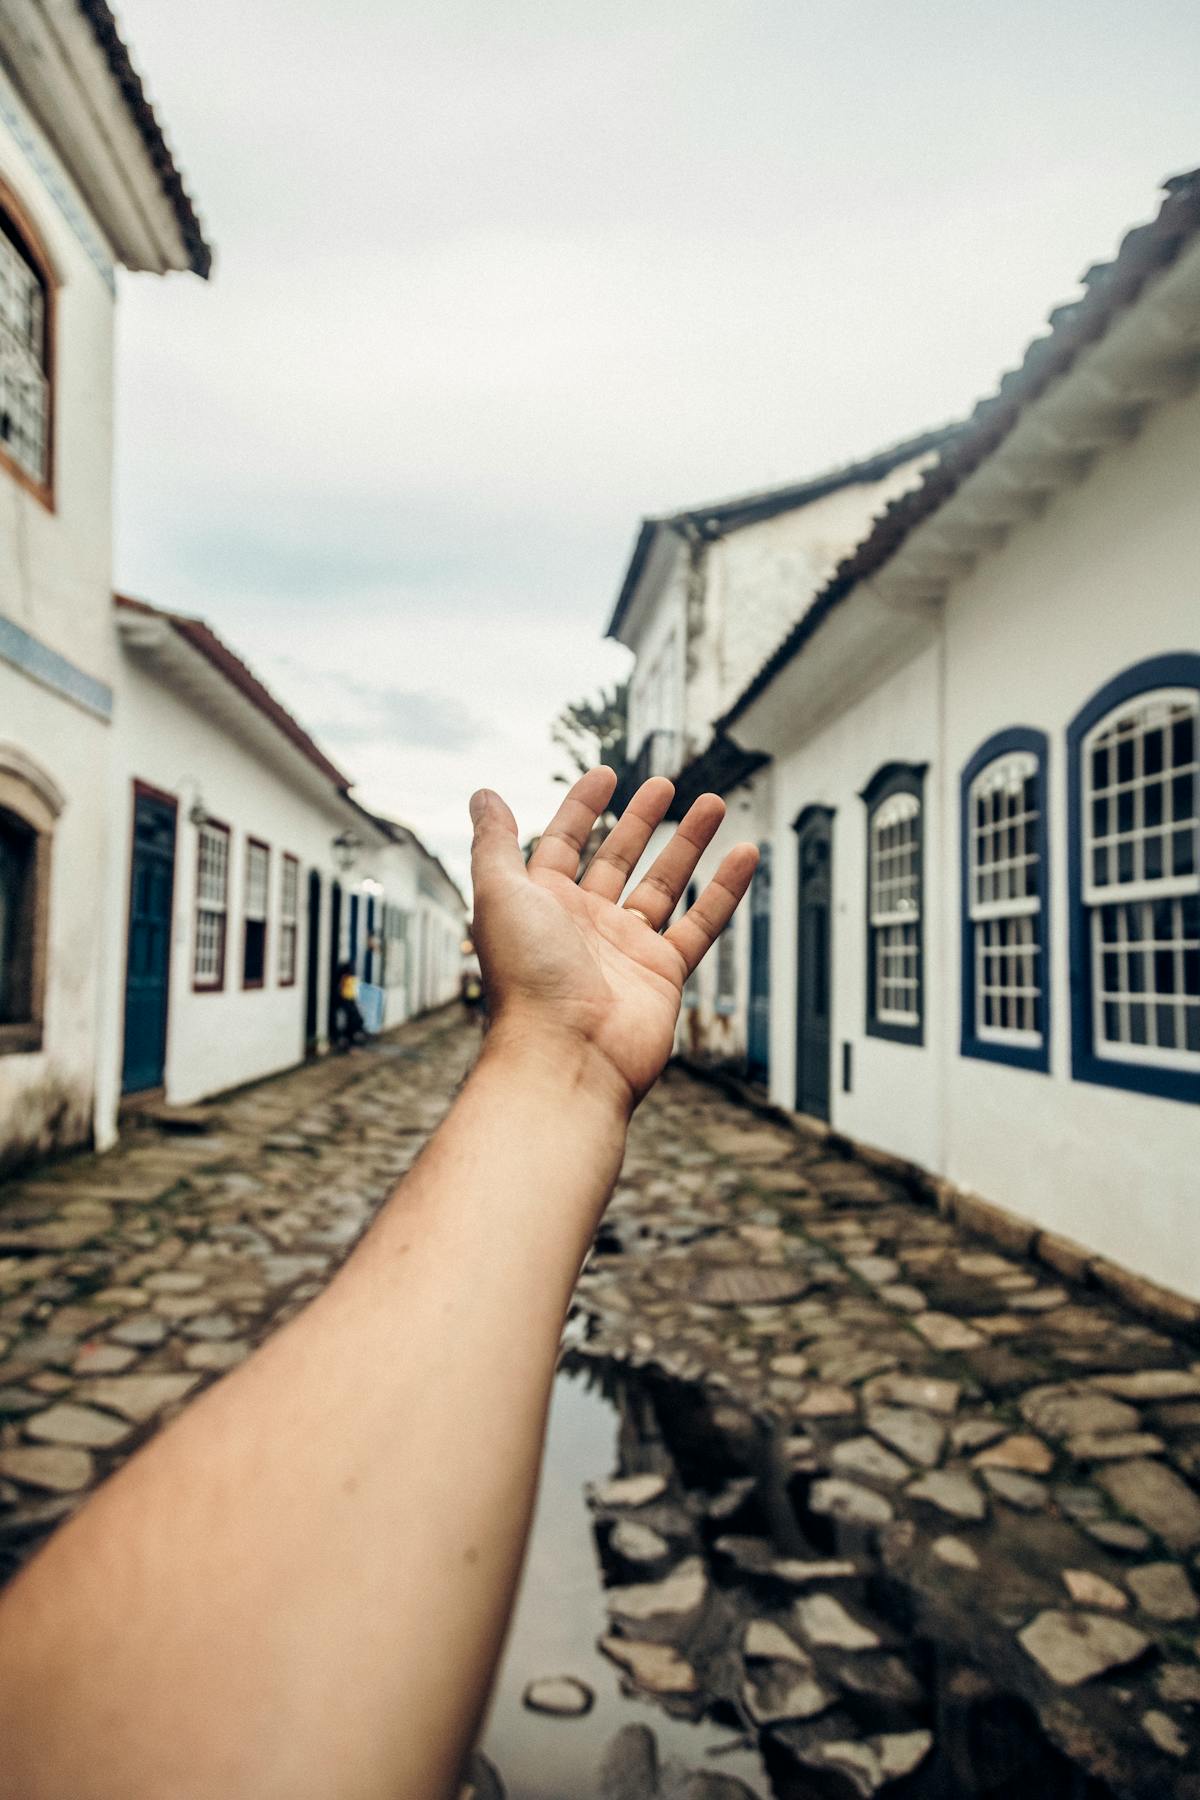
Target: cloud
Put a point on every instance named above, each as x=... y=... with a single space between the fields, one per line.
x=402 y=716
x=491 y=282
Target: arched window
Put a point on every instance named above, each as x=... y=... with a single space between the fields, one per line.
x=1005 y=987
x=26 y=303
x=895 y=902
x=29 y=806
x=1134 y=794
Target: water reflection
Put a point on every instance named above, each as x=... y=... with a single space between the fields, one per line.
x=561 y=1615
x=778 y=1638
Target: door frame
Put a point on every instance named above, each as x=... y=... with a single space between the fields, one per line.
x=805 y=820
x=312 y=960
x=150 y=792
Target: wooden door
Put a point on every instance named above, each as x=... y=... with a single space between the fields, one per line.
x=148 y=955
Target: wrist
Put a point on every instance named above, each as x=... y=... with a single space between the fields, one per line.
x=562 y=1065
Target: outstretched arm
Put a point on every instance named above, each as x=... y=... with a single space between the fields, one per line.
x=300 y=1588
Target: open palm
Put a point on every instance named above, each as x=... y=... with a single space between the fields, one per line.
x=564 y=958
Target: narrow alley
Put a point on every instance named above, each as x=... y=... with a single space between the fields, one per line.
x=892 y=1507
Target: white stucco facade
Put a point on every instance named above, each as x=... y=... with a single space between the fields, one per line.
x=56 y=663
x=184 y=733
x=713 y=598
x=1102 y=580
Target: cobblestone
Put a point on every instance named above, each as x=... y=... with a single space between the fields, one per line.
x=914 y=1379
x=129 y=1281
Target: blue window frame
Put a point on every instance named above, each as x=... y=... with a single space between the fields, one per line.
x=1133 y=798
x=894 y=798
x=1003 y=848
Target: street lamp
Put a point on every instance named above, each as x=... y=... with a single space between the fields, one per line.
x=346 y=846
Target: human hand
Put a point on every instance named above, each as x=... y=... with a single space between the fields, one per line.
x=568 y=969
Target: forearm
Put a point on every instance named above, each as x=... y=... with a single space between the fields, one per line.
x=301 y=1587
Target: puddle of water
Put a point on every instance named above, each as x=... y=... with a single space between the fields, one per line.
x=924 y=1707
x=560 y=1615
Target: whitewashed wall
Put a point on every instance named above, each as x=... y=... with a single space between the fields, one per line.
x=712 y=1027
x=895 y=1099
x=1105 y=578
x=649 y=709
x=55 y=584
x=215 y=1040
x=759 y=580
x=1108 y=576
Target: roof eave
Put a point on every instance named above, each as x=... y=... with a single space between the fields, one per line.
x=73 y=71
x=1130 y=343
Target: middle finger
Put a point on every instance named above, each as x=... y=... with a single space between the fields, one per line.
x=657 y=893
x=608 y=870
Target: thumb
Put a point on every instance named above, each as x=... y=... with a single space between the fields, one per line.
x=495 y=849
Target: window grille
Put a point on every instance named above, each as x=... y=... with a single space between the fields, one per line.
x=1141 y=879
x=1005 y=900
x=212 y=905
x=289 y=900
x=895 y=908
x=24 y=372
x=254 y=940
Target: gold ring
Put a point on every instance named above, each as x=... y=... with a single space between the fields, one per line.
x=638 y=914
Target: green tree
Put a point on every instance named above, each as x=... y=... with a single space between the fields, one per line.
x=593 y=731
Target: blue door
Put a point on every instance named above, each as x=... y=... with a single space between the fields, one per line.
x=814 y=967
x=369 y=959
x=758 y=1028
x=148 y=959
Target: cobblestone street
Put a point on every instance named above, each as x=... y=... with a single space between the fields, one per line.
x=960 y=1438
x=132 y=1279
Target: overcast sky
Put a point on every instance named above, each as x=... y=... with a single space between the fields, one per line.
x=493 y=280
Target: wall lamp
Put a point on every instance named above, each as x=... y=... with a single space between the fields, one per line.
x=346 y=846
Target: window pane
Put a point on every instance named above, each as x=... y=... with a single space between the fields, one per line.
x=1142 y=791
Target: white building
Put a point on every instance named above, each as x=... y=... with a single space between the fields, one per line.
x=86 y=184
x=708 y=593
x=407 y=934
x=986 y=888
x=240 y=877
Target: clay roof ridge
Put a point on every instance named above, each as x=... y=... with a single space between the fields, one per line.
x=201 y=636
x=107 y=34
x=717 y=517
x=1108 y=288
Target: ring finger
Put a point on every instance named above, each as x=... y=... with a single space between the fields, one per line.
x=657 y=894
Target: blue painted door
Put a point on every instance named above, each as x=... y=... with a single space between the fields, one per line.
x=758 y=1025
x=148 y=960
x=814 y=968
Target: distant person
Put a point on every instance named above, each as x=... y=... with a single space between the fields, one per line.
x=471 y=980
x=299 y=1589
x=348 y=1025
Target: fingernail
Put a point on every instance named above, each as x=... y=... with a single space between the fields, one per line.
x=478 y=805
